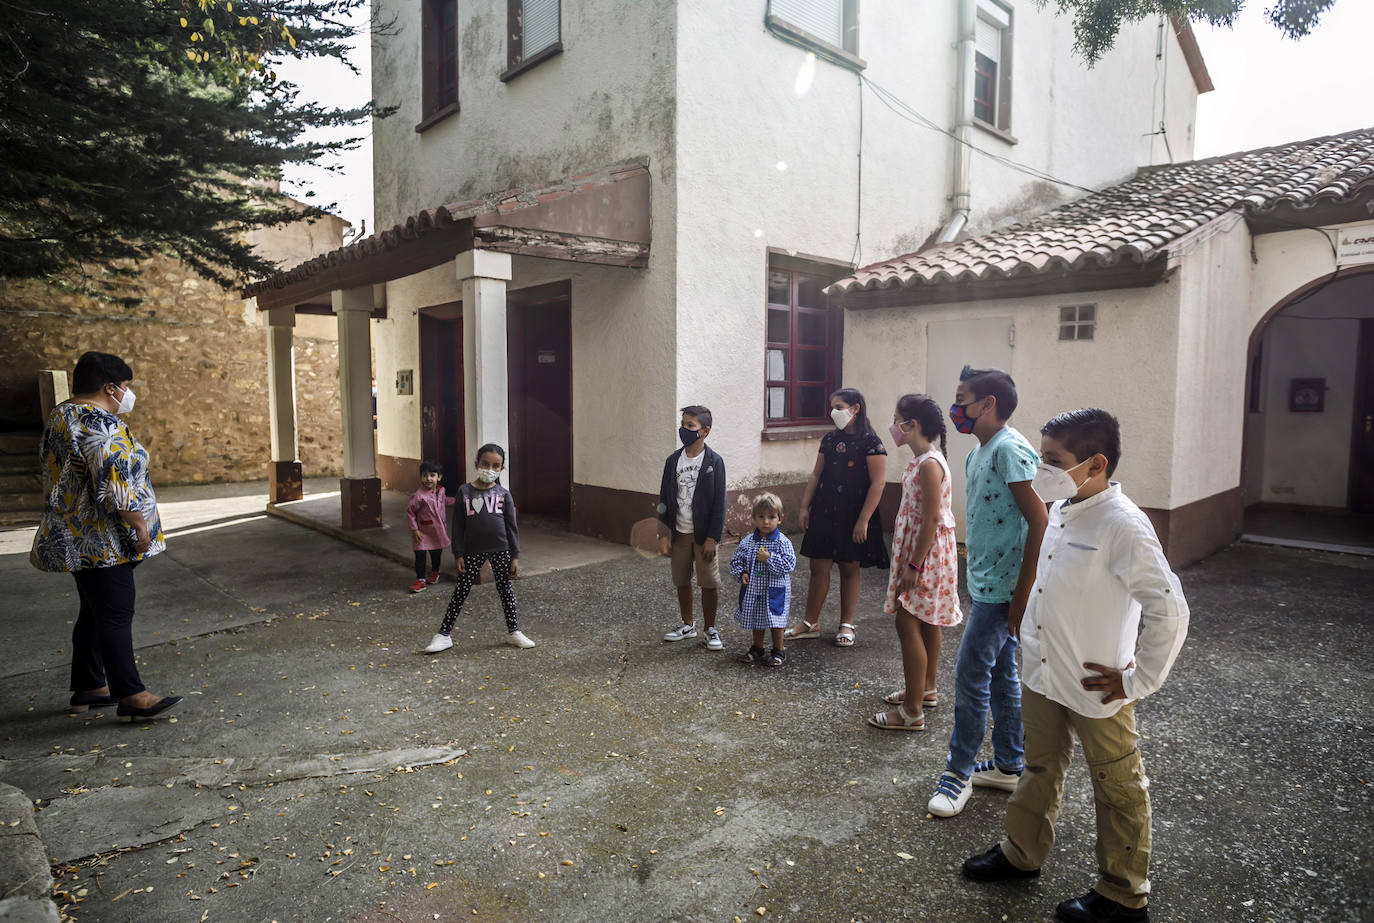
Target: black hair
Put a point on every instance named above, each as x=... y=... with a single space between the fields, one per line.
x=1085 y=433
x=851 y=396
x=96 y=370
x=992 y=383
x=702 y=414
x=494 y=449
x=433 y=467
x=922 y=410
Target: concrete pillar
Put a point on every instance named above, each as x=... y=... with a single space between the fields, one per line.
x=53 y=389
x=484 y=275
x=284 y=469
x=360 y=488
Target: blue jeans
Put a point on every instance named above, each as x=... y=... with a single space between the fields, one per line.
x=985 y=677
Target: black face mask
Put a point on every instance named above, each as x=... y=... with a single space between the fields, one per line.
x=688 y=436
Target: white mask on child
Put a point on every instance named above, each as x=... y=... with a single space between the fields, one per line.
x=841 y=417
x=487 y=475
x=1053 y=484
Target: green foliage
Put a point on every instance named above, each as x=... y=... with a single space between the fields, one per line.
x=1097 y=22
x=137 y=128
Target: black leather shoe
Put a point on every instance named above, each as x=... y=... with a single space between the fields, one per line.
x=84 y=700
x=128 y=713
x=1094 y=908
x=993 y=865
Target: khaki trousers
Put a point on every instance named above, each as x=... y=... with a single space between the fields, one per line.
x=1119 y=788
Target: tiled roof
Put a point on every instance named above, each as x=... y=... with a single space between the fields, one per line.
x=496 y=206
x=1138 y=220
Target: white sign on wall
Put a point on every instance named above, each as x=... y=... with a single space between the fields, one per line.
x=1355 y=245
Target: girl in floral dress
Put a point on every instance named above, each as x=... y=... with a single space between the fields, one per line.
x=923 y=583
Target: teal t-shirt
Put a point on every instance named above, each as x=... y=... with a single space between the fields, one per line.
x=996 y=532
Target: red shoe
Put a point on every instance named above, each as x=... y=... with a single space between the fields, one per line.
x=418 y=585
x=432 y=578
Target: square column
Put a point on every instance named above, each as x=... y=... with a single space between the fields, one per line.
x=484 y=275
x=284 y=469
x=360 y=488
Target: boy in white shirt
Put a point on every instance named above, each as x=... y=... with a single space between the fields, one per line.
x=1103 y=626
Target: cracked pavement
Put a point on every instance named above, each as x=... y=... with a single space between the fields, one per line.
x=322 y=770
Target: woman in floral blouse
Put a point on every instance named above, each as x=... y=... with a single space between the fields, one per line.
x=99 y=521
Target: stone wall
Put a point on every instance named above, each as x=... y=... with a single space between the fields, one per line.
x=200 y=372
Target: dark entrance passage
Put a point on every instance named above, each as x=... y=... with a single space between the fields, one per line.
x=441 y=391
x=539 y=344
x=1362 y=437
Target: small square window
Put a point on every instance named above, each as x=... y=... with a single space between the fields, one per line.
x=1077 y=321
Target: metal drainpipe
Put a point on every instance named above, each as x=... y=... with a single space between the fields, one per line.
x=963 y=106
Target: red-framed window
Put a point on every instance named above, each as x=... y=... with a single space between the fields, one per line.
x=985 y=88
x=439 y=64
x=802 y=348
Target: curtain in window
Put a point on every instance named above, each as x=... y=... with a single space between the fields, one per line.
x=540 y=18
x=822 y=18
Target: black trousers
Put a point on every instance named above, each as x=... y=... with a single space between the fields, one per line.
x=103 y=637
x=436 y=559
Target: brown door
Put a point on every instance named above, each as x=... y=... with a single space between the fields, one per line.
x=441 y=392
x=1362 y=441
x=539 y=333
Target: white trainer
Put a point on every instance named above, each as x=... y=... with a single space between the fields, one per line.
x=518 y=639
x=987 y=775
x=681 y=633
x=713 y=642
x=439 y=642
x=951 y=794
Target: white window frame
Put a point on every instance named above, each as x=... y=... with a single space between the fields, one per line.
x=993 y=41
x=829 y=27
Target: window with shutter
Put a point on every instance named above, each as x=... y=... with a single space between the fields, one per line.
x=822 y=18
x=534 y=34
x=992 y=64
x=831 y=27
x=439 y=61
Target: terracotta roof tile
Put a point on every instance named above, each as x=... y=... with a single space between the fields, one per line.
x=1137 y=220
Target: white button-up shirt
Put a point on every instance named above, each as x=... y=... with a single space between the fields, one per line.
x=1103 y=594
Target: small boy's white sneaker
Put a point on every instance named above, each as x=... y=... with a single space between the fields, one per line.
x=681 y=633
x=951 y=794
x=713 y=642
x=987 y=775
x=440 y=642
x=518 y=639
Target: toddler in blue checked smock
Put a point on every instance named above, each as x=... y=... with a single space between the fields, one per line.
x=763 y=563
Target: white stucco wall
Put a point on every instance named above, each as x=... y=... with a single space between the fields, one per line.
x=1136 y=331
x=739 y=116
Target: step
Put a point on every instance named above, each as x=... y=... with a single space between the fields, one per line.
x=19 y=518
x=16 y=482
x=20 y=444
x=20 y=464
x=14 y=502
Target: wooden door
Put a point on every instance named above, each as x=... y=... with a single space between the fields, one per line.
x=539 y=338
x=1362 y=437
x=441 y=393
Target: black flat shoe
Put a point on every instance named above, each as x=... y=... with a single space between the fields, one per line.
x=993 y=865
x=84 y=700
x=1094 y=908
x=128 y=713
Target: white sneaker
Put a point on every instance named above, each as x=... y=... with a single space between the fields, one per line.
x=439 y=643
x=951 y=794
x=987 y=775
x=518 y=639
x=681 y=633
x=713 y=642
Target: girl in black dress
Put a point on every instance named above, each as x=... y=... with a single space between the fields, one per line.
x=839 y=513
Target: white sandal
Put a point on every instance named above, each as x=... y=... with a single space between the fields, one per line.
x=929 y=700
x=803 y=630
x=845 y=636
x=908 y=723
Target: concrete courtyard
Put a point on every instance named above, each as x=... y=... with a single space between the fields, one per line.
x=321 y=769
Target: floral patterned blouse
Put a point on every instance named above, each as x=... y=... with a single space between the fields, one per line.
x=93 y=467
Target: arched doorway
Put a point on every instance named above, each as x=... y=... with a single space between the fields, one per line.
x=1308 y=469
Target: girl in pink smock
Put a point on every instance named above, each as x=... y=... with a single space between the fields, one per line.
x=426 y=515
x=923 y=581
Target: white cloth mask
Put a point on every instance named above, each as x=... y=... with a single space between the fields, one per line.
x=487 y=475
x=126 y=403
x=841 y=417
x=1053 y=484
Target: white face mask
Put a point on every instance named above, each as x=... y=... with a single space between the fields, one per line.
x=1053 y=484
x=487 y=475
x=842 y=417
x=126 y=403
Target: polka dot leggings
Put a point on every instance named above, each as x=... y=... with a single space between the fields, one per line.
x=472 y=566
